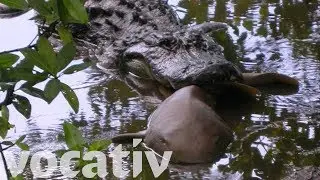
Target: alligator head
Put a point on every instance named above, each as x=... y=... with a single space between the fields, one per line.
x=178 y=59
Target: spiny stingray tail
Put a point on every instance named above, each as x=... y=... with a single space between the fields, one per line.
x=128 y=137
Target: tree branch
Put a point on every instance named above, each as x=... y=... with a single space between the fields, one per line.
x=6 y=148
x=18 y=49
x=4 y=162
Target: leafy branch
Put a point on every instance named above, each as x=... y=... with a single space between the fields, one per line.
x=40 y=62
x=4 y=162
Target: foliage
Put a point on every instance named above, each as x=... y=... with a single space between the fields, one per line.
x=75 y=142
x=41 y=62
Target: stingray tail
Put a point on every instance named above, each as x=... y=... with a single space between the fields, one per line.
x=256 y=79
x=128 y=137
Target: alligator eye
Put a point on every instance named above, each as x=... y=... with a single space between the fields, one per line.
x=139 y=69
x=135 y=65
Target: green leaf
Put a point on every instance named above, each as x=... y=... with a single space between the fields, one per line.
x=44 y=9
x=52 y=18
x=73 y=136
x=35 y=92
x=4 y=127
x=48 y=55
x=21 y=74
x=248 y=25
x=99 y=145
x=7 y=60
x=7 y=143
x=76 y=10
x=52 y=90
x=4 y=86
x=25 y=64
x=16 y=4
x=66 y=55
x=76 y=68
x=70 y=96
x=19 y=177
x=4 y=121
x=24 y=70
x=22 y=104
x=262 y=31
x=40 y=6
x=36 y=59
x=53 y=6
x=20 y=139
x=5 y=113
x=65 y=35
x=264 y=11
x=63 y=12
x=60 y=152
x=23 y=146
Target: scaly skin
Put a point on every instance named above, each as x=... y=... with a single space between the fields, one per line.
x=143 y=37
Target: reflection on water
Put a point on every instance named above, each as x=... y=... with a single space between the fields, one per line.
x=272 y=135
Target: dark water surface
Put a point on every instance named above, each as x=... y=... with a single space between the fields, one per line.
x=272 y=136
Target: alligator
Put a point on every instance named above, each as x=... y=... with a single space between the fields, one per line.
x=145 y=38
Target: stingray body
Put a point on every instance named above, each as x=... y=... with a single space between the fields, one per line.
x=185 y=124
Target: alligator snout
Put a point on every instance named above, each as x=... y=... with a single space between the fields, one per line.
x=206 y=75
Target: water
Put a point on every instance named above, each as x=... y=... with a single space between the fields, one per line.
x=271 y=136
